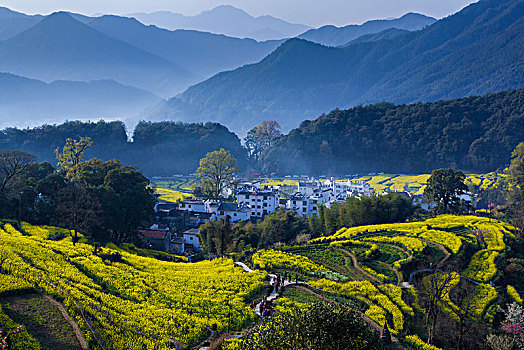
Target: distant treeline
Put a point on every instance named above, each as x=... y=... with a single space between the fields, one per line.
x=475 y=134
x=163 y=148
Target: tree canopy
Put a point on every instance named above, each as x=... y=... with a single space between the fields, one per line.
x=216 y=172
x=12 y=163
x=261 y=137
x=322 y=326
x=444 y=187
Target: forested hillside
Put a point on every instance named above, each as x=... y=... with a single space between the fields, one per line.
x=165 y=148
x=475 y=51
x=475 y=133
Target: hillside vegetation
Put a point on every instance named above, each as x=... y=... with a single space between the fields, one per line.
x=467 y=133
x=392 y=271
x=163 y=148
x=128 y=301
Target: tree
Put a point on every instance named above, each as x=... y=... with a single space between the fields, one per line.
x=322 y=326
x=12 y=163
x=267 y=132
x=444 y=187
x=516 y=168
x=218 y=232
x=516 y=193
x=216 y=172
x=127 y=201
x=434 y=290
x=103 y=200
x=262 y=137
x=73 y=152
x=77 y=209
x=281 y=227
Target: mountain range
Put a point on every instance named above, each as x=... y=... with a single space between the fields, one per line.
x=28 y=102
x=143 y=63
x=202 y=54
x=475 y=51
x=61 y=48
x=338 y=36
x=227 y=20
x=68 y=46
x=13 y=23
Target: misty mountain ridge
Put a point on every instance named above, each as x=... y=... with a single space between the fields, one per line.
x=13 y=23
x=61 y=48
x=473 y=52
x=337 y=36
x=35 y=102
x=203 y=54
x=227 y=20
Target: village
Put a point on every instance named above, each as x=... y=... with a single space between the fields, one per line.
x=176 y=225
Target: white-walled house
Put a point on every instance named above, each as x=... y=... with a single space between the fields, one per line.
x=192 y=204
x=198 y=205
x=233 y=211
x=260 y=202
x=191 y=239
x=305 y=205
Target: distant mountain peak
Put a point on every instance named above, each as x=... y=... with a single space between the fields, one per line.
x=59 y=18
x=330 y=35
x=415 y=14
x=228 y=20
x=473 y=52
x=228 y=8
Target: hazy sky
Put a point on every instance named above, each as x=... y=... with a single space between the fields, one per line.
x=311 y=12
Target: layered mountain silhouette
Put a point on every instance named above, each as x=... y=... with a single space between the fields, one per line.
x=476 y=51
x=203 y=54
x=338 y=36
x=61 y=48
x=26 y=101
x=384 y=35
x=226 y=20
x=13 y=23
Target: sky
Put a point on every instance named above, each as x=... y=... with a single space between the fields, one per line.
x=314 y=13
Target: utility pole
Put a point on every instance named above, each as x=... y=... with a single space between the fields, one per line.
x=20 y=210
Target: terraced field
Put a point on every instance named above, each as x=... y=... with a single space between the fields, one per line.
x=122 y=300
x=377 y=261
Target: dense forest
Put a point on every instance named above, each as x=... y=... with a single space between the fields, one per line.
x=164 y=148
x=475 y=134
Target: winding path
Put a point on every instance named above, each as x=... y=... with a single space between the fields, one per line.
x=441 y=247
x=356 y=266
x=72 y=323
x=305 y=287
x=274 y=294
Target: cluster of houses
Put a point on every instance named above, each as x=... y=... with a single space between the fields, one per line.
x=253 y=202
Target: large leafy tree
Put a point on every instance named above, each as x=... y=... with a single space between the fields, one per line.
x=73 y=152
x=12 y=163
x=322 y=326
x=444 y=187
x=216 y=172
x=281 y=226
x=516 y=169
x=122 y=193
x=217 y=236
x=261 y=137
